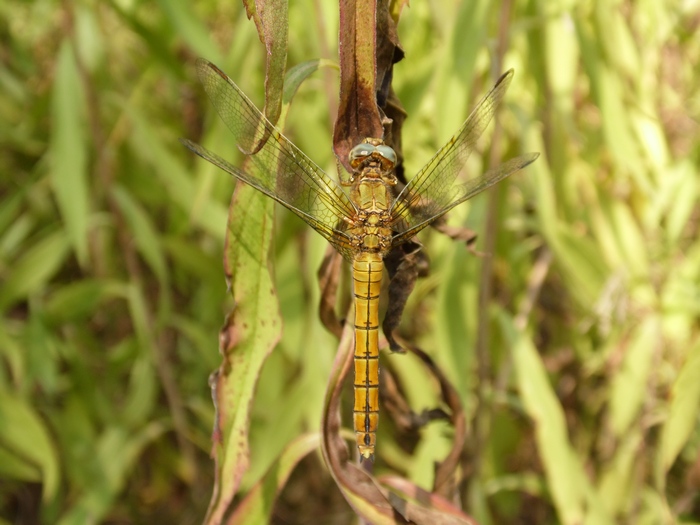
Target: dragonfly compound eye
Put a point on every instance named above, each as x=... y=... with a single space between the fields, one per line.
x=359 y=153
x=387 y=152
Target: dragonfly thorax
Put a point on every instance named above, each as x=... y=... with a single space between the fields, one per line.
x=368 y=237
x=371 y=194
x=371 y=232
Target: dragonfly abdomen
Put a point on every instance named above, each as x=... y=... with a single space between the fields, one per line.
x=367 y=277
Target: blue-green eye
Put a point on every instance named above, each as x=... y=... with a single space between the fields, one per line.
x=360 y=152
x=387 y=152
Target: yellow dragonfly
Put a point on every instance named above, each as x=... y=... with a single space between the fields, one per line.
x=365 y=223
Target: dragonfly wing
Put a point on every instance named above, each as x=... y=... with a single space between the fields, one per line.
x=276 y=167
x=461 y=193
x=336 y=237
x=435 y=190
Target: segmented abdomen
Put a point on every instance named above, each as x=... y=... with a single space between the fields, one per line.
x=367 y=278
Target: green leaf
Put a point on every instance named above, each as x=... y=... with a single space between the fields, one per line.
x=683 y=410
x=34 y=269
x=271 y=20
x=456 y=69
x=79 y=300
x=117 y=451
x=68 y=151
x=252 y=330
x=297 y=74
x=144 y=233
x=16 y=235
x=562 y=468
x=205 y=265
x=13 y=353
x=617 y=482
x=630 y=384
x=23 y=432
x=572 y=494
x=180 y=14
x=138 y=310
x=13 y=466
x=9 y=212
x=631 y=240
x=685 y=201
x=579 y=260
x=615 y=38
x=141 y=393
x=562 y=59
x=258 y=504
x=178 y=184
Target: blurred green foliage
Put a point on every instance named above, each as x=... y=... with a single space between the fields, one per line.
x=112 y=289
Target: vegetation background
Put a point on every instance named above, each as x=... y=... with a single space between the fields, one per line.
x=579 y=376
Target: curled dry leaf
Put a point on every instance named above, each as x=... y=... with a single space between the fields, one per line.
x=457 y=233
x=445 y=470
x=328 y=277
x=358 y=115
x=405 y=264
x=435 y=501
x=365 y=494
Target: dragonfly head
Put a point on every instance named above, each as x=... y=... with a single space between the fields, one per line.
x=372 y=151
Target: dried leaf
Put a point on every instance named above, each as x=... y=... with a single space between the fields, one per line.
x=395 y=112
x=458 y=233
x=328 y=277
x=369 y=47
x=394 y=404
x=445 y=470
x=405 y=264
x=358 y=115
x=435 y=500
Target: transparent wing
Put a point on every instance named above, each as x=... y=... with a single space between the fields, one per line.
x=336 y=237
x=276 y=167
x=433 y=191
x=423 y=212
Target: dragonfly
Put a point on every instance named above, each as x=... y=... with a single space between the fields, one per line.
x=363 y=224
